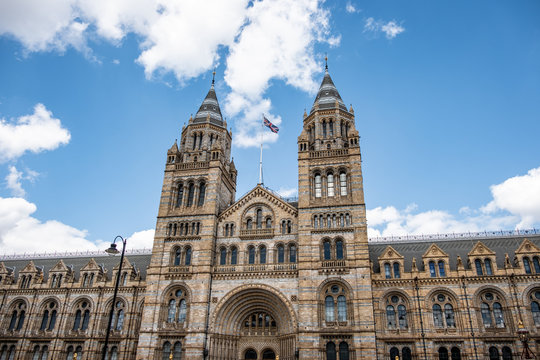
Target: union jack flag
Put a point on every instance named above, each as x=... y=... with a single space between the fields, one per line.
x=269 y=125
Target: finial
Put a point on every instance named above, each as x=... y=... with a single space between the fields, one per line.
x=326 y=61
x=213 y=76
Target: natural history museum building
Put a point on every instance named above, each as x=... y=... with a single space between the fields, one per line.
x=263 y=277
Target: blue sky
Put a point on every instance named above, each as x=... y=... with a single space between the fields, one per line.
x=93 y=93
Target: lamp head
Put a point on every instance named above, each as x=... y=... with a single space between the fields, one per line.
x=112 y=250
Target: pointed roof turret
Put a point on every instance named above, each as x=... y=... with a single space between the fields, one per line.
x=210 y=107
x=328 y=96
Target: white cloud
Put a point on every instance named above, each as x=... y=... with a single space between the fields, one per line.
x=391 y=29
x=116 y=62
x=37 y=132
x=350 y=8
x=267 y=39
x=515 y=204
x=520 y=196
x=14 y=180
x=22 y=233
x=287 y=192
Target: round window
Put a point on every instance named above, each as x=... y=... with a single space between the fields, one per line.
x=489 y=296
x=395 y=299
x=335 y=289
x=441 y=297
x=178 y=292
x=537 y=294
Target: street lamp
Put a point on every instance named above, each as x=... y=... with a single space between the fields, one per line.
x=113 y=251
x=523 y=335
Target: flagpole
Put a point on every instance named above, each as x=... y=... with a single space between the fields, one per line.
x=260 y=160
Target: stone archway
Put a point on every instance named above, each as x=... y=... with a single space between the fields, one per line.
x=253 y=322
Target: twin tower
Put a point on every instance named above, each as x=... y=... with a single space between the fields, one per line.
x=260 y=277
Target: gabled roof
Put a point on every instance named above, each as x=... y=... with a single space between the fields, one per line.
x=209 y=109
x=434 y=252
x=527 y=247
x=328 y=96
x=259 y=191
x=481 y=250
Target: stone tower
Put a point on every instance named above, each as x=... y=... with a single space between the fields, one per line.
x=333 y=264
x=199 y=182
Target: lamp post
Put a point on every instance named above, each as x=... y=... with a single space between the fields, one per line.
x=523 y=335
x=113 y=251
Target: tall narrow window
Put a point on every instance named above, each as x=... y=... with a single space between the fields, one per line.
x=324 y=129
x=397 y=273
x=234 y=255
x=343 y=183
x=251 y=255
x=443 y=353
x=222 y=256
x=478 y=265
x=437 y=316
x=407 y=355
x=449 y=315
x=202 y=190
x=536 y=263
x=330 y=180
x=387 y=271
x=390 y=317
x=180 y=195
x=432 y=270
x=177 y=255
x=527 y=265
x=268 y=223
x=342 y=308
x=394 y=353
x=166 y=351
x=486 y=315
x=191 y=193
x=44 y=320
x=402 y=316
x=172 y=311
x=330 y=351
x=326 y=250
x=535 y=310
x=329 y=308
x=188 y=256
x=339 y=249
x=343 y=351
x=177 y=351
x=498 y=314
x=292 y=253
x=506 y=353
x=493 y=353
x=331 y=127
x=456 y=353
x=281 y=253
x=318 y=186
x=200 y=140
x=259 y=219
x=262 y=255
x=249 y=224
x=489 y=268
x=182 y=311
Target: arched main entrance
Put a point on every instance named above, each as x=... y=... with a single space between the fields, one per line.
x=253 y=323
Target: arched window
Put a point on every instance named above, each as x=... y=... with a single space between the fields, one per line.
x=327 y=250
x=114 y=353
x=329 y=308
x=535 y=307
x=85 y=276
x=397 y=273
x=339 y=249
x=268 y=223
x=330 y=182
x=249 y=224
x=342 y=308
x=262 y=254
x=394 y=353
x=259 y=218
x=493 y=353
x=176 y=306
x=536 y=263
x=222 y=256
x=406 y=353
x=527 y=265
x=187 y=256
x=506 y=353
x=53 y=281
x=251 y=255
x=280 y=253
x=17 y=316
x=391 y=322
x=191 y=193
x=7 y=353
x=486 y=315
x=48 y=319
x=387 y=271
x=498 y=315
x=343 y=183
x=478 y=265
x=449 y=317
x=432 y=270
x=343 y=351
x=289 y=226
x=117 y=322
x=166 y=351
x=489 y=269
x=177 y=255
x=91 y=280
x=177 y=350
x=318 y=185
x=292 y=253
x=330 y=351
x=442 y=271
x=443 y=353
x=202 y=190
x=492 y=309
x=180 y=195
x=402 y=317
x=82 y=316
x=456 y=353
x=437 y=316
x=234 y=255
x=232 y=229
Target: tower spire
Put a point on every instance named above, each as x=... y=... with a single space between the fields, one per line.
x=326 y=62
x=213 y=76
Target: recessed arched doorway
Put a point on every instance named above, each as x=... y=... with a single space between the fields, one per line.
x=253 y=323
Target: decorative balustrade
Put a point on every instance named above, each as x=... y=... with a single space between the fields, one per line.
x=180 y=269
x=333 y=263
x=328 y=153
x=193 y=165
x=256 y=233
x=247 y=268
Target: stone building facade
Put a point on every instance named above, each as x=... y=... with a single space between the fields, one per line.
x=263 y=277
